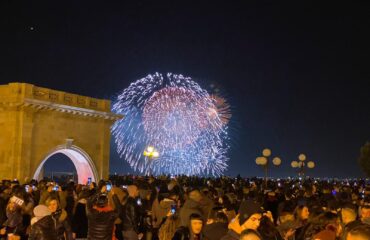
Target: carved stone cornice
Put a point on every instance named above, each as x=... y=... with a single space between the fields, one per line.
x=50 y=106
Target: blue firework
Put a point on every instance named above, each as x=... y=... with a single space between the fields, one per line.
x=175 y=116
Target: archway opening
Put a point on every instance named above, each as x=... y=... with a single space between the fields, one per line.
x=81 y=162
x=59 y=168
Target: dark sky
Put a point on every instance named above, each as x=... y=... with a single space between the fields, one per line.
x=297 y=75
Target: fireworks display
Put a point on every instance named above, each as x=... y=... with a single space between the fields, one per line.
x=172 y=114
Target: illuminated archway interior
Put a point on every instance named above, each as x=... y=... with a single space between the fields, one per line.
x=82 y=164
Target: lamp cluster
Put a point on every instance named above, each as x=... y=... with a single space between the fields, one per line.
x=300 y=164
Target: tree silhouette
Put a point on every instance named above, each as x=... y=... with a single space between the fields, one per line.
x=364 y=158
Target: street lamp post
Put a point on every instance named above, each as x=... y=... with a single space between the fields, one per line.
x=301 y=164
x=265 y=163
x=151 y=153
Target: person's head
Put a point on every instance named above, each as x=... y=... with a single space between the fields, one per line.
x=348 y=215
x=195 y=195
x=174 y=193
x=286 y=217
x=360 y=232
x=302 y=213
x=217 y=215
x=250 y=234
x=41 y=211
x=133 y=191
x=287 y=212
x=52 y=204
x=101 y=200
x=365 y=212
x=326 y=222
x=196 y=223
x=250 y=214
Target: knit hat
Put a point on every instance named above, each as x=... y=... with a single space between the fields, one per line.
x=248 y=208
x=41 y=211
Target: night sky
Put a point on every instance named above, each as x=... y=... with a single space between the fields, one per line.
x=297 y=75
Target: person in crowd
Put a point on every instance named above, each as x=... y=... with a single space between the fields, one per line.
x=53 y=190
x=60 y=217
x=14 y=223
x=249 y=217
x=301 y=214
x=42 y=225
x=348 y=216
x=130 y=215
x=216 y=226
x=162 y=206
x=79 y=218
x=365 y=211
x=360 y=232
x=101 y=216
x=192 y=230
x=267 y=229
x=191 y=205
x=326 y=226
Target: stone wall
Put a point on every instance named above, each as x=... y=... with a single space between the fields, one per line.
x=34 y=121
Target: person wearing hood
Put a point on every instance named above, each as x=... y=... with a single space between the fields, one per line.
x=249 y=217
x=42 y=225
x=193 y=230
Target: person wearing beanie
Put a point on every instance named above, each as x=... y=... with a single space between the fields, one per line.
x=193 y=231
x=249 y=217
x=42 y=225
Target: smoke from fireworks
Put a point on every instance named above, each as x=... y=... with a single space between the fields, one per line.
x=179 y=119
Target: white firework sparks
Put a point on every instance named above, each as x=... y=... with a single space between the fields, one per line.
x=172 y=114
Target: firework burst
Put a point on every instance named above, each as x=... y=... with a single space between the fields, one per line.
x=176 y=116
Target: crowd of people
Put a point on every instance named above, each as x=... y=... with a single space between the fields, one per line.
x=137 y=207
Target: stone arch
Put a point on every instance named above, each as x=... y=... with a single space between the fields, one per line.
x=81 y=160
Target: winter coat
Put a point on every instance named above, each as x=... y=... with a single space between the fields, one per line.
x=215 y=231
x=79 y=220
x=14 y=222
x=62 y=225
x=43 y=229
x=130 y=215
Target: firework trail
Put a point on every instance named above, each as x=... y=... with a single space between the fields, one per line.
x=179 y=119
